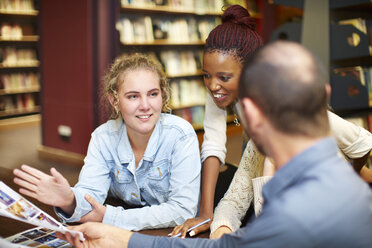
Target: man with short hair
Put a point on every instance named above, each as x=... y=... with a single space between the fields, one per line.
x=315 y=199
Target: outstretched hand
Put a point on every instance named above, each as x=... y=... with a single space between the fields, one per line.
x=51 y=189
x=97 y=213
x=190 y=223
x=98 y=235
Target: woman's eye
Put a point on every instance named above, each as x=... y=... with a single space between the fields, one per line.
x=154 y=94
x=132 y=97
x=224 y=79
x=206 y=76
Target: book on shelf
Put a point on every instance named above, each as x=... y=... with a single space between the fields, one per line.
x=11 y=31
x=18 y=208
x=21 y=102
x=199 y=6
x=14 y=81
x=12 y=56
x=363 y=25
x=17 y=5
x=360 y=74
x=180 y=30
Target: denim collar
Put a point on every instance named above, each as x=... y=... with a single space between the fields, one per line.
x=124 y=148
x=294 y=170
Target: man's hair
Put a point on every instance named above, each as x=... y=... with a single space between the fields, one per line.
x=236 y=35
x=288 y=84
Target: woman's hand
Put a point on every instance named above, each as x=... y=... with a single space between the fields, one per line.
x=190 y=223
x=97 y=213
x=51 y=189
x=220 y=232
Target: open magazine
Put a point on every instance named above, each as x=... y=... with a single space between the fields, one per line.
x=13 y=205
x=37 y=237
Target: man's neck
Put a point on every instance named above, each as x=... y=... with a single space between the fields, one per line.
x=284 y=147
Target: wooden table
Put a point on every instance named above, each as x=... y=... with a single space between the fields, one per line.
x=10 y=227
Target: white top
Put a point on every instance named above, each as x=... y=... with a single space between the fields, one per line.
x=353 y=141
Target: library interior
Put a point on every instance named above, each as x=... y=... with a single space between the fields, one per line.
x=54 y=56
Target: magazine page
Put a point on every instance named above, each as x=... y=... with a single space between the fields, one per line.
x=13 y=205
x=36 y=237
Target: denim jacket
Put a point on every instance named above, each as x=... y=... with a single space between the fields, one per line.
x=164 y=188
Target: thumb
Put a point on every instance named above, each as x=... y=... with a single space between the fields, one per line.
x=57 y=176
x=92 y=201
x=199 y=229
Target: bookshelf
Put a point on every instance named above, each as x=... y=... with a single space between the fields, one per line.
x=19 y=64
x=174 y=33
x=346 y=51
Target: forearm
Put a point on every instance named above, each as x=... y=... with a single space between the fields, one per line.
x=366 y=174
x=358 y=163
x=210 y=173
x=70 y=204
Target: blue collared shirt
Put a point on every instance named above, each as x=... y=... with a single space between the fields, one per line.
x=163 y=189
x=315 y=200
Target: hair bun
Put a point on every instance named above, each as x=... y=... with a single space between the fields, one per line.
x=238 y=15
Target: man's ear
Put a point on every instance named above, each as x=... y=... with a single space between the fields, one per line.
x=252 y=113
x=328 y=90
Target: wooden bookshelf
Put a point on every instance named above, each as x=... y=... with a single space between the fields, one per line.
x=34 y=64
x=165 y=42
x=19 y=111
x=19 y=13
x=197 y=21
x=19 y=85
x=25 y=38
x=20 y=90
x=175 y=11
x=198 y=73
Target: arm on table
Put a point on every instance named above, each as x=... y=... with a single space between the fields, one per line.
x=213 y=154
x=236 y=201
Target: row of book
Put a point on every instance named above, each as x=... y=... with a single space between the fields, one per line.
x=201 y=6
x=178 y=63
x=15 y=81
x=360 y=74
x=17 y=102
x=147 y=29
x=11 y=31
x=12 y=56
x=194 y=115
x=186 y=93
x=364 y=25
x=17 y=5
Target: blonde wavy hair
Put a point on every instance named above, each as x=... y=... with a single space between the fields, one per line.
x=124 y=64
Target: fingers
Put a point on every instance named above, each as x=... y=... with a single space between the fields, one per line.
x=25 y=176
x=58 y=176
x=73 y=240
x=25 y=184
x=200 y=229
x=92 y=201
x=28 y=193
x=180 y=230
x=32 y=171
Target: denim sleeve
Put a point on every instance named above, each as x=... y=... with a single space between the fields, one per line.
x=214 y=142
x=182 y=199
x=94 y=179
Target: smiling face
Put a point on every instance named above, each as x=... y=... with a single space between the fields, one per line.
x=221 y=77
x=140 y=101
